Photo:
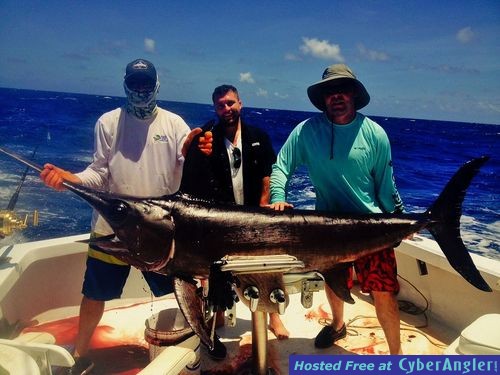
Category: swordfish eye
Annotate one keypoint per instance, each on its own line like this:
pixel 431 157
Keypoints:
pixel 118 211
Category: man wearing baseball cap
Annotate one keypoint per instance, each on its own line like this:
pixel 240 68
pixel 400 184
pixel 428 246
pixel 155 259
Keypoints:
pixel 139 151
pixel 348 157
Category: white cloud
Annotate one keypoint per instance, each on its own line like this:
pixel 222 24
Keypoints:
pixel 465 35
pixel 321 49
pixel 149 45
pixel 292 57
pixel 281 96
pixel 489 106
pixel 246 77
pixel 372 54
pixel 262 92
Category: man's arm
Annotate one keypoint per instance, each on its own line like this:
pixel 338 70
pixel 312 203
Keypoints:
pixel 265 193
pixel 286 163
pixel 197 174
pixel 385 185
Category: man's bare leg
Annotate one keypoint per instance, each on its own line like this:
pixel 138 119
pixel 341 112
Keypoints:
pixel 91 312
pixel 387 309
pixel 337 306
pixel 277 327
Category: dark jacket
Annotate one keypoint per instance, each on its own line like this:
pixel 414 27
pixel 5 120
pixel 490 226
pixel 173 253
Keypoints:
pixel 209 177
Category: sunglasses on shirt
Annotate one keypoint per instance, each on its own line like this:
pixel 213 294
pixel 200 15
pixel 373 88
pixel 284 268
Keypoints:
pixel 236 157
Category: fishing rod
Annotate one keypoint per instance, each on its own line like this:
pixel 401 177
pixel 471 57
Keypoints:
pixel 15 196
pixel 22 159
pixel 33 165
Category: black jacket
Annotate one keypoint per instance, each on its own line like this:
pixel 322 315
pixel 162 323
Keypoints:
pixel 209 177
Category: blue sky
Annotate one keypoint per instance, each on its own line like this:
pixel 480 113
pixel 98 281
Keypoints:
pixel 423 59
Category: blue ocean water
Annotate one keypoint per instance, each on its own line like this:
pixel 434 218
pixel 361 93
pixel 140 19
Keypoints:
pixel 60 125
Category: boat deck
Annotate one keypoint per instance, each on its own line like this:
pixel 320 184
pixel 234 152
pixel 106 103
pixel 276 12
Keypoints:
pixel 119 346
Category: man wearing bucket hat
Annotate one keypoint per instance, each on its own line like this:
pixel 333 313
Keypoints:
pixel 139 150
pixel 348 157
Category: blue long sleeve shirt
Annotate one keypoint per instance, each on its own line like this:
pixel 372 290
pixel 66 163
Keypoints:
pixel 349 165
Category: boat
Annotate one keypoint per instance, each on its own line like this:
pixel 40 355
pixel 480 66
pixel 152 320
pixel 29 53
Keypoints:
pixel 40 284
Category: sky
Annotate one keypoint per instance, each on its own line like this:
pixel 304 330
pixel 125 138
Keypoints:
pixel 425 59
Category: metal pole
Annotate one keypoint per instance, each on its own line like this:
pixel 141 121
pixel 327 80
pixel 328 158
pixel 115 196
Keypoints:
pixel 259 342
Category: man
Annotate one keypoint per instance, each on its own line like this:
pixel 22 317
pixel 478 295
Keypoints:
pixel 238 168
pixel 348 157
pixel 138 151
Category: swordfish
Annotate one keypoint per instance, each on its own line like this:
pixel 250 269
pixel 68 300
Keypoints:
pixel 183 236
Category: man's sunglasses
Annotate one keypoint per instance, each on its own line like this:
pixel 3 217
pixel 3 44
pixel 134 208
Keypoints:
pixel 140 84
pixel 236 157
pixel 339 89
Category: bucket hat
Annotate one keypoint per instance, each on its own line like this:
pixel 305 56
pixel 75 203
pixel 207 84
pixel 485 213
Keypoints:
pixel 335 75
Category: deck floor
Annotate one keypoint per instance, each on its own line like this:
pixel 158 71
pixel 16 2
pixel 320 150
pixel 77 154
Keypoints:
pixel 364 335
pixel 119 346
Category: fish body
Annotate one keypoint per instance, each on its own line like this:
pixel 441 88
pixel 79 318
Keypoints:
pixel 208 232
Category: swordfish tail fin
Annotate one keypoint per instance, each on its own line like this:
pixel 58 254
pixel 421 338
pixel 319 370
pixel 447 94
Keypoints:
pixel 445 223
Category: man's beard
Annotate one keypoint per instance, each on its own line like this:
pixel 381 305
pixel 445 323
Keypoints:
pixel 234 121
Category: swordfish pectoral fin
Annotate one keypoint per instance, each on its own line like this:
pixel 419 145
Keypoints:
pixel 191 307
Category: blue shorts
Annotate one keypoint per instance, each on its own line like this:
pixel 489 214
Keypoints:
pixel 105 281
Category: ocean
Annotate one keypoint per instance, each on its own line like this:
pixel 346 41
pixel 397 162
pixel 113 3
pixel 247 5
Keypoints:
pixel 59 126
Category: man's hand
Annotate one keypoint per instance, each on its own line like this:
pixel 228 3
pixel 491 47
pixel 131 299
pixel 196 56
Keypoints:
pixel 54 177
pixel 280 206
pixel 204 143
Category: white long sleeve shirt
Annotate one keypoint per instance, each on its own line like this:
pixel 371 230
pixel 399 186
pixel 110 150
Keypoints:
pixel 135 157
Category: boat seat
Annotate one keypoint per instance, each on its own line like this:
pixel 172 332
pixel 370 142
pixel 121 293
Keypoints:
pixel 173 346
pixel 482 336
pixel 36 337
pixel 43 355
pixel 16 361
pixel 182 358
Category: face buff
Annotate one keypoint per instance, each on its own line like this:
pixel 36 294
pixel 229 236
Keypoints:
pixel 142 104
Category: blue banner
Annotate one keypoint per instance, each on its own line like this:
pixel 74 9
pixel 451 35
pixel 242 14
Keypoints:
pixel 394 364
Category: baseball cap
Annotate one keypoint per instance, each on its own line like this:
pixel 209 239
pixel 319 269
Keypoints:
pixel 140 69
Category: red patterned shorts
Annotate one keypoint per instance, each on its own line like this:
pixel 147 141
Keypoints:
pixel 376 272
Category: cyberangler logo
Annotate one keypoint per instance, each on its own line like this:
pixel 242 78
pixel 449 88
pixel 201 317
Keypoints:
pixel 160 138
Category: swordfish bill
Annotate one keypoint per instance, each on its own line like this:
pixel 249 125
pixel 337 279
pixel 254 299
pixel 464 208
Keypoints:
pixel 182 236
